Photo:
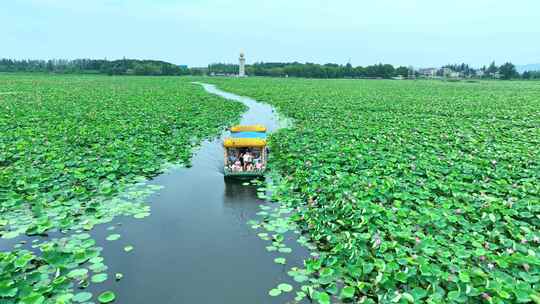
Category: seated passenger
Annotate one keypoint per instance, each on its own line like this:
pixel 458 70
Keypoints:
pixel 232 159
pixel 237 167
pixel 248 159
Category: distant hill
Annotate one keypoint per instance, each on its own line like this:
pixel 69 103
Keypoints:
pixel 528 67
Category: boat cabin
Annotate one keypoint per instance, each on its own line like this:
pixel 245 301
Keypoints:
pixel 245 151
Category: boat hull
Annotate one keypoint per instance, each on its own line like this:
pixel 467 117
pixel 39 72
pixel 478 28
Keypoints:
pixel 243 174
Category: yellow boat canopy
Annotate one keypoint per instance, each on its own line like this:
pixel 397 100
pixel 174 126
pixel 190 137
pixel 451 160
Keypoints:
pixel 244 142
pixel 252 128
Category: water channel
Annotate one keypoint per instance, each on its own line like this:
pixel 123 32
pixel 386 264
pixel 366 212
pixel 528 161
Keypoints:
pixel 196 246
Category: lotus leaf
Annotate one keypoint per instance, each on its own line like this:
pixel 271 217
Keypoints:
pixel 78 273
pixel 106 297
pixel 285 287
pixel 99 278
pixel 274 292
pixel 113 237
pixel 82 297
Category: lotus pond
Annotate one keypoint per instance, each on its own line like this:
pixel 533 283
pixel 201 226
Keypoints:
pixel 74 153
pixel 405 192
pixel 412 191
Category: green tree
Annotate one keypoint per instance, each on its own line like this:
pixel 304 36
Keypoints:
pixel 348 71
pixel 492 69
pixel 403 71
pixel 508 71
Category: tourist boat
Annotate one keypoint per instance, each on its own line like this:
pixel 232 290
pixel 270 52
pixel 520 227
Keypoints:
pixel 245 151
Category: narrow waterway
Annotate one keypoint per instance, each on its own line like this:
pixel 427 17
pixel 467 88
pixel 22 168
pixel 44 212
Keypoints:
pixel 196 246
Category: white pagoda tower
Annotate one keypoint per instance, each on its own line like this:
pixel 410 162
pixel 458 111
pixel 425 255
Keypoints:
pixel 242 65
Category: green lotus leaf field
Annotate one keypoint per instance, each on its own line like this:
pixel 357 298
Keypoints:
pixel 412 191
pixel 403 191
pixel 73 153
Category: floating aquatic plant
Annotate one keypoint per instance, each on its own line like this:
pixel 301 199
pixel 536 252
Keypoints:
pixel 411 192
pixel 82 297
pixel 99 278
pixel 76 152
pixel 113 237
pixel 107 297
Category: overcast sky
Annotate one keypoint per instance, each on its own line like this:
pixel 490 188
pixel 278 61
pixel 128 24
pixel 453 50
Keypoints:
pixel 421 33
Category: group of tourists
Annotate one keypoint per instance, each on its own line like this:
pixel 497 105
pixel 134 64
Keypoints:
pixel 245 160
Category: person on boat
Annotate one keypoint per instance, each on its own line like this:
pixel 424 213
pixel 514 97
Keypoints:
pixel 257 163
pixel 248 160
pixel 233 157
pixel 237 166
pixel 241 157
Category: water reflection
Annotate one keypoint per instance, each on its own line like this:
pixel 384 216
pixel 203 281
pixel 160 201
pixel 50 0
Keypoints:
pixel 236 191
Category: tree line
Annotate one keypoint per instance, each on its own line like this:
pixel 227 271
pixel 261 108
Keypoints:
pixel 505 71
pixel 312 70
pixel 273 69
pixel 94 66
pixel 331 70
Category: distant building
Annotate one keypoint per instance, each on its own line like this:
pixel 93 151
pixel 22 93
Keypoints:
pixel 428 72
pixel 455 74
pixel 183 66
pixel 447 72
